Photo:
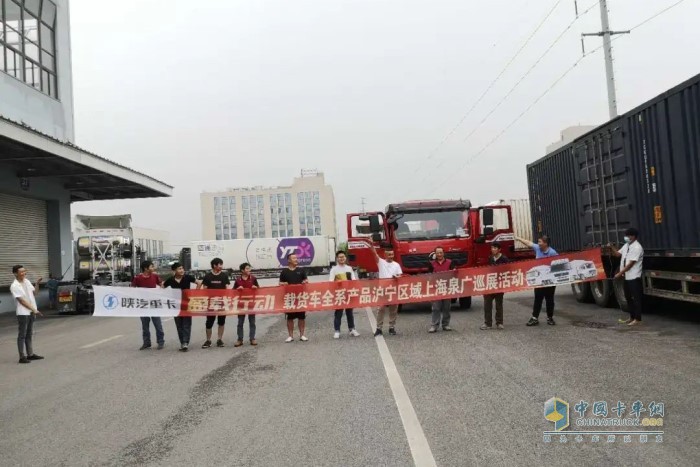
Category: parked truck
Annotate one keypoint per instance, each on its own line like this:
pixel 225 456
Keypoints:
pixel 266 255
pixel 639 170
pixel 414 229
pixel 103 254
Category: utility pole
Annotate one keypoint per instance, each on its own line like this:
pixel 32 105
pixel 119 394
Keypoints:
pixel 363 205
pixel 606 34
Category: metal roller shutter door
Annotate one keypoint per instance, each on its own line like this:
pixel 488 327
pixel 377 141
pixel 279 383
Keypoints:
pixel 23 237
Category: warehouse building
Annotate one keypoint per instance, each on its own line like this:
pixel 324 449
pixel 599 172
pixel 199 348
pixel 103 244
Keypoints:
pixel 42 171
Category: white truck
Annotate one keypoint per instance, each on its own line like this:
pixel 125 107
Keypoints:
pixel 265 255
pixel 561 271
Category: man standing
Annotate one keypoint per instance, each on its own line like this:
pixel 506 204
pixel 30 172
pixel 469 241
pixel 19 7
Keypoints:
pixel 546 294
pixel 182 281
pixel 246 281
pixel 52 287
pixel 495 259
pixel 632 255
pixel 25 297
pixel 149 279
pixel 293 275
pixel 342 272
pixel 388 269
pixel 441 308
pixel 219 280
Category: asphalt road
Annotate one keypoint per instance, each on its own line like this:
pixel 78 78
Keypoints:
pixel 477 395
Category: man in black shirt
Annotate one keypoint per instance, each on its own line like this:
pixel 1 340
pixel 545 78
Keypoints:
pixel 183 324
pixel 216 279
pixel 291 276
pixel 495 259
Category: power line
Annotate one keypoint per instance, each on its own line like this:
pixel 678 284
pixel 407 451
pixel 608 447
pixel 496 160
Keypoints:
pixel 549 89
pixel 434 151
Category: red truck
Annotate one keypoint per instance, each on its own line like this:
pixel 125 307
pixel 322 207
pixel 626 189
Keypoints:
pixel 414 229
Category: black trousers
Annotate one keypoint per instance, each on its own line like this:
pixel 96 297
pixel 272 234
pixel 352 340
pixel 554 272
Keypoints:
pixel 634 293
pixel 545 294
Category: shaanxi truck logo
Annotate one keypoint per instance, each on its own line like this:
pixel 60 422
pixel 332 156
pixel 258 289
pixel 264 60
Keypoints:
pixel 301 246
pixel 557 411
pixel 110 301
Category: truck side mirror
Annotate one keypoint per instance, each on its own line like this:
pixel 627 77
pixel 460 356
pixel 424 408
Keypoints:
pixel 488 230
pixel 488 217
pixel 374 225
pixel 376 237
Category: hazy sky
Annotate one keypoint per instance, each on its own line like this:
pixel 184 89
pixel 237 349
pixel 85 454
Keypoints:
pixel 222 93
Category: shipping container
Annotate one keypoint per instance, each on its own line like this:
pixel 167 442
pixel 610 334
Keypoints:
pixel 264 254
pixel 639 170
pixel 522 219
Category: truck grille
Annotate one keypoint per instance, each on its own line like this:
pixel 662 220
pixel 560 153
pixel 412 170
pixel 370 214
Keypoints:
pixel 423 260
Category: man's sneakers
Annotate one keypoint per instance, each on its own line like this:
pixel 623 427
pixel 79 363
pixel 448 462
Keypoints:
pixel 392 331
pixel 446 328
pixel 499 327
pixel 220 343
pixel 238 343
pixel 183 347
pixel 304 339
pixel 288 340
pixel 24 360
pixel 206 344
pixel 253 342
pixel 550 321
pixel 354 333
pixel 160 346
pixel 485 327
pixel 432 329
pixel 378 332
pixel 336 335
pixel 35 357
pixel 145 346
pixel 533 321
pixel 634 322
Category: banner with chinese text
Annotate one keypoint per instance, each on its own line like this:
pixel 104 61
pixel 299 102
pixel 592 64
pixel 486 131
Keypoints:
pixel 321 296
pixel 128 301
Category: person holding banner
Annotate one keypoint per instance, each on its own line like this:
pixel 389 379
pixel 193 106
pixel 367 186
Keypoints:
pixel 246 281
pixel 148 279
pixel 293 275
pixel 216 279
pixel 440 308
pixel 632 257
pixel 181 281
pixel 388 269
pixel 495 259
pixel 546 294
pixel 25 297
pixel 342 272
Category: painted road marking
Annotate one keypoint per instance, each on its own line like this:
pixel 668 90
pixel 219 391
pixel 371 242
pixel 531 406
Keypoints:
pixel 102 341
pixel 420 449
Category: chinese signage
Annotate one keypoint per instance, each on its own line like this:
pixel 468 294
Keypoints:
pixel 322 296
pixel 603 422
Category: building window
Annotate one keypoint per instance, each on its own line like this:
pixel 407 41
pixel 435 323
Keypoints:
pixel 27 43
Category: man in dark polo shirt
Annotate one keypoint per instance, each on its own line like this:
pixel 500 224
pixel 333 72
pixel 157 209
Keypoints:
pixel 181 281
pixel 149 279
pixel 216 279
pixel 290 276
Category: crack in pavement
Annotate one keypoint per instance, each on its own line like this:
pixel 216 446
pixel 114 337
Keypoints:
pixel 202 398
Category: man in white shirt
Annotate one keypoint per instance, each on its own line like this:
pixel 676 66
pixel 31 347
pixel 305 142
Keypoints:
pixel 388 269
pixel 632 256
pixel 24 294
pixel 342 272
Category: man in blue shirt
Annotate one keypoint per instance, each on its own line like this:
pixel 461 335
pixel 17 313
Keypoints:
pixel 542 294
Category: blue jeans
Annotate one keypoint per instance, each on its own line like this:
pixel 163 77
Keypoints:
pixel 184 329
pixel 157 323
pixel 251 324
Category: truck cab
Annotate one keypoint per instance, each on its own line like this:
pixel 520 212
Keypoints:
pixel 414 229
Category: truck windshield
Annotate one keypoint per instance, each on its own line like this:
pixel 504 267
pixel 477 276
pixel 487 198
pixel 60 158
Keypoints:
pixel 561 267
pixel 430 225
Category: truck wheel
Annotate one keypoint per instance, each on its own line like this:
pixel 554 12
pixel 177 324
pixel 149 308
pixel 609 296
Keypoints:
pixel 619 289
pixel 464 303
pixel 602 293
pixel 582 292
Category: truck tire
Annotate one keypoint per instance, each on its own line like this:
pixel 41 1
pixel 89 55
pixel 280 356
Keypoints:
pixel 619 290
pixel 582 292
pixel 464 303
pixel 603 293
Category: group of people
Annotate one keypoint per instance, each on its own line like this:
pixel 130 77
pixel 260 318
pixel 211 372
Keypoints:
pixel 631 254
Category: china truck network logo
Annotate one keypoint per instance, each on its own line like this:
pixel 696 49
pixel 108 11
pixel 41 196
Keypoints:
pixel 302 246
pixel 557 411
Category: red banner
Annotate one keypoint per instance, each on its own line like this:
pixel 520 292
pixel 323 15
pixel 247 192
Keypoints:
pixel 322 296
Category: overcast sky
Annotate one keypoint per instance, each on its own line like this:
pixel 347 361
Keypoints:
pixel 221 93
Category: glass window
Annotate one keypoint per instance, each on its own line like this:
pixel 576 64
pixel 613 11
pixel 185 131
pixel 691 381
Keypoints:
pixel 307 195
pixel 48 12
pixel 316 195
pixel 318 231
pixel 253 202
pixel 226 236
pixel 289 223
pixel 232 201
pixel 217 202
pixel 288 210
pixel 245 202
pixel 219 236
pixel 302 231
pixel 288 199
pixel 317 220
pixel 317 212
pixel 260 199
pixel 273 200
